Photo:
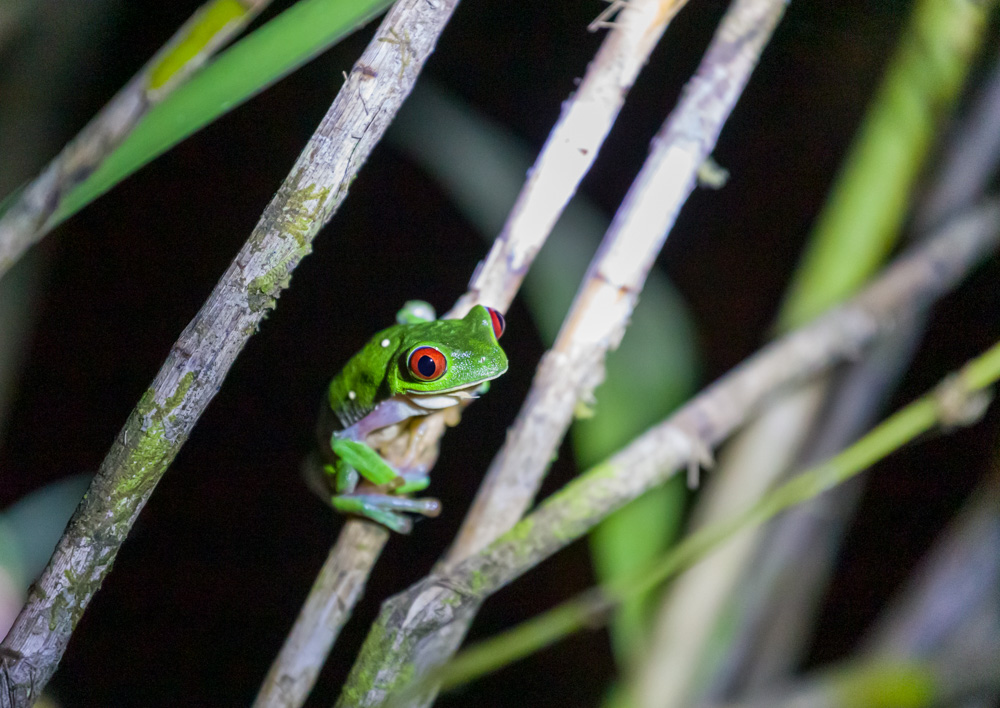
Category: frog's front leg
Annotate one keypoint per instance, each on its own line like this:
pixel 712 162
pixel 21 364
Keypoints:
pixel 356 458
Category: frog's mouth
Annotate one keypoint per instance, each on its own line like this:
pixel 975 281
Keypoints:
pixel 436 400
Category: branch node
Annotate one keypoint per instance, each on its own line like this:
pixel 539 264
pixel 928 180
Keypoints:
pixel 959 406
pixel 603 20
pixel 693 449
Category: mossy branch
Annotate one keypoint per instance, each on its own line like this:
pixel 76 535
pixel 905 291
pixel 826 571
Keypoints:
pixel 200 359
pixel 429 618
pixel 569 151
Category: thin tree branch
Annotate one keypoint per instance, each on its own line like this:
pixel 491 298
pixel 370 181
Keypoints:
pixel 406 640
pixel 29 218
pixel 595 324
pixel 200 359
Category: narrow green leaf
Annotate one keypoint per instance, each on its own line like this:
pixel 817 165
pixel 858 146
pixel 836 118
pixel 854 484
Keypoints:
pixel 272 51
pixel 860 222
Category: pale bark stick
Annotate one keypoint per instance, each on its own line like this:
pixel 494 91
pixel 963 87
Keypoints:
pixel 339 585
pixel 574 366
pixel 200 359
pixel 29 218
pixel 405 641
pixel 568 154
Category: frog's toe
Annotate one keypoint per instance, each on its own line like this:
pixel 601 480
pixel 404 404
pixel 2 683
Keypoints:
pixel 413 483
pixel 427 506
pixel 387 509
pixel 360 505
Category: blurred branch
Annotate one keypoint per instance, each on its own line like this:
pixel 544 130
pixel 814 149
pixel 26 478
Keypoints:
pixel 958 400
pixel 412 623
pixel 970 157
pixel 200 359
pixel 270 52
pixel 28 218
pixel 695 650
pixel 958 579
pixel 769 618
pixel 881 682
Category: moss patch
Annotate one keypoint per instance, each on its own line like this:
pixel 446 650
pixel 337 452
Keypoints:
pixel 153 447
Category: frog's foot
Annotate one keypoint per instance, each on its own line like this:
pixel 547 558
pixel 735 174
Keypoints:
pixel 360 457
pixel 385 509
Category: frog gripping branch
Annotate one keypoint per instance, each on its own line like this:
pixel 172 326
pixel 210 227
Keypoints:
pixel 375 428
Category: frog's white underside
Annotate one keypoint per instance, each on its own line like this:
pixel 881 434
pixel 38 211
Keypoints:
pixel 436 400
pixel 408 405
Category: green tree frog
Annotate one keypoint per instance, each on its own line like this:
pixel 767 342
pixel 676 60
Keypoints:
pixel 391 401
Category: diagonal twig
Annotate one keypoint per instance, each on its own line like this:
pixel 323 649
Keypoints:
pixel 28 219
pixel 596 322
pixel 337 589
pixel 200 359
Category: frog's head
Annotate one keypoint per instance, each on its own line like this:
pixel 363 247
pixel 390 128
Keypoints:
pixel 441 362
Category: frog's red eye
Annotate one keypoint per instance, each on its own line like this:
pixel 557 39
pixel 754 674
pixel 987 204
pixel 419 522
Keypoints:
pixel 498 322
pixel 427 363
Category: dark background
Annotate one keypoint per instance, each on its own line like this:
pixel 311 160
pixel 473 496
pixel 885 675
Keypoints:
pixel 213 574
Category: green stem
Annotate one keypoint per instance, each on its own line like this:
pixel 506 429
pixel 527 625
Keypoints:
pixel 860 222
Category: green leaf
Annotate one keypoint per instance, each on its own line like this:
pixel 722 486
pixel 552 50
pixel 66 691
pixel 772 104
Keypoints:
pixel 272 51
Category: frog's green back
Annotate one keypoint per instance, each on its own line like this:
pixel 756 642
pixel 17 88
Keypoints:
pixel 361 384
